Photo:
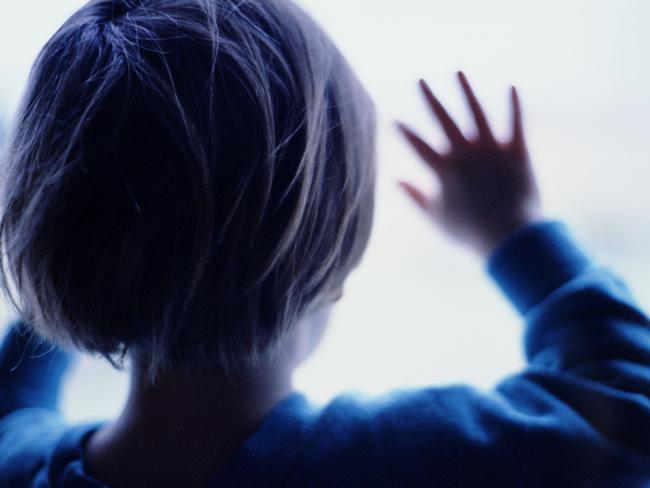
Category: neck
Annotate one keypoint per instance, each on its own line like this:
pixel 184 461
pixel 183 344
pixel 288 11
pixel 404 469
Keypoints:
pixel 179 431
pixel 184 424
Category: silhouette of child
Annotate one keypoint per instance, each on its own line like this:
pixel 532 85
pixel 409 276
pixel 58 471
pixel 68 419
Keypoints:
pixel 187 187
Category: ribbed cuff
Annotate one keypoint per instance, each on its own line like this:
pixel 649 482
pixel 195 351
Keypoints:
pixel 535 260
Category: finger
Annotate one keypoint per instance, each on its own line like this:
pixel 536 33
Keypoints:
pixel 427 204
pixel 517 121
pixel 426 152
pixel 416 195
pixel 449 126
pixel 485 133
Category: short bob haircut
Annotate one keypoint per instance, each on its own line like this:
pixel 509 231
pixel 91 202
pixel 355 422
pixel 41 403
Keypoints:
pixel 185 180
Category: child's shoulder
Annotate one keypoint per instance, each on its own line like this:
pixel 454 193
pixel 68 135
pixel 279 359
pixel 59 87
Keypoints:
pixel 38 448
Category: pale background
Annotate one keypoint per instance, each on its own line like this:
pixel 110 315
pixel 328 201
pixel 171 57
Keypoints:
pixel 421 311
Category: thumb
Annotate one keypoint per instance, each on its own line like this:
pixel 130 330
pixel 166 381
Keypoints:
pixel 432 206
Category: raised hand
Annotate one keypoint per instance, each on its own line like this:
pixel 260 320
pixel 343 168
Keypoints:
pixel 488 187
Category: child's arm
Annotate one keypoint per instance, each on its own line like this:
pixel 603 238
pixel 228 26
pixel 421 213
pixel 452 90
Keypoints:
pixel 31 371
pixel 586 390
pixel 579 316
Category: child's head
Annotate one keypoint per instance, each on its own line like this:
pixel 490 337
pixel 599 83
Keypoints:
pixel 186 180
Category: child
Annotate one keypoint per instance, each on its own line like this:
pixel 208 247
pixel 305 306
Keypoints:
pixel 188 185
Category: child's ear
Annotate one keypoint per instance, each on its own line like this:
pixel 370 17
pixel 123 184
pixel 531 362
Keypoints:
pixel 339 295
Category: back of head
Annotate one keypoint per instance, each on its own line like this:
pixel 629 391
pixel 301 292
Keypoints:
pixel 186 179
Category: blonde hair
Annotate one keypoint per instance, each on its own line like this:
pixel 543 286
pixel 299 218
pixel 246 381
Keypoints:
pixel 186 179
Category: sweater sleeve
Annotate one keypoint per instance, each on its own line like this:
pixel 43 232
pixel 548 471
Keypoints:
pixel 579 317
pixel 578 414
pixel 31 371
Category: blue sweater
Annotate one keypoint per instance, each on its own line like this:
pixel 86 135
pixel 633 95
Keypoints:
pixel 577 415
